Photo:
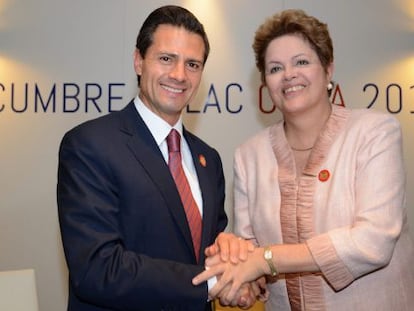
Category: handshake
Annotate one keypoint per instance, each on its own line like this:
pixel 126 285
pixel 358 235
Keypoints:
pixel 239 269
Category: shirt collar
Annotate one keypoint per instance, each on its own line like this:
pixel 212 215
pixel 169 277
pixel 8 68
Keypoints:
pixel 158 127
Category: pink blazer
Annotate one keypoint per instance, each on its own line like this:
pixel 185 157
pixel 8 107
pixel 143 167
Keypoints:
pixel 347 206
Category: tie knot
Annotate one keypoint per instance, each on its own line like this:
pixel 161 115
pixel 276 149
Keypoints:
pixel 173 141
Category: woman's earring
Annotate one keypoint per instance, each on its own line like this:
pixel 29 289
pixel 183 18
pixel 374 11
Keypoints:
pixel 330 86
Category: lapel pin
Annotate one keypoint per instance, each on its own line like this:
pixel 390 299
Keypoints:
pixel 202 160
pixel 324 175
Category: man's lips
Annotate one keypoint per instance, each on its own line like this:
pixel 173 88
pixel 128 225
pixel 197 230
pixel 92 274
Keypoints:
pixel 172 89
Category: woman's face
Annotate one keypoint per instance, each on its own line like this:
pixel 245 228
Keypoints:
pixel 294 75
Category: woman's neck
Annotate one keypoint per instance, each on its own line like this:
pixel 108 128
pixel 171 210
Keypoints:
pixel 302 131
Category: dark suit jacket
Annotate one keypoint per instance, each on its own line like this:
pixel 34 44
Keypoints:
pixel 125 235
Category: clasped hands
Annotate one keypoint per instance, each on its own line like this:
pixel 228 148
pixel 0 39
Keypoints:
pixel 239 281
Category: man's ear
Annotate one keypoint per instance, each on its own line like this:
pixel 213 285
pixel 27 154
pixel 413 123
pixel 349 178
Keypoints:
pixel 138 62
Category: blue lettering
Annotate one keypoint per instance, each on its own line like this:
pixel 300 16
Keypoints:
pixel 110 97
pixel 52 97
pixel 92 99
pixel 213 104
pixel 25 99
pixel 187 110
pixel 227 98
pixel 3 88
pixel 74 97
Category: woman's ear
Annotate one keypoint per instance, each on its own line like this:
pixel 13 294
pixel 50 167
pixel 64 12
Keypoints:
pixel 329 72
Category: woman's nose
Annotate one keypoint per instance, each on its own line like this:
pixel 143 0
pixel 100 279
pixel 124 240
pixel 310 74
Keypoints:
pixel 289 73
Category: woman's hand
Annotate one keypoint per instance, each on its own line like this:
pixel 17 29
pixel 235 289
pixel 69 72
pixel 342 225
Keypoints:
pixel 229 246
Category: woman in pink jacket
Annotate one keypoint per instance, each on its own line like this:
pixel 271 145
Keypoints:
pixel 321 193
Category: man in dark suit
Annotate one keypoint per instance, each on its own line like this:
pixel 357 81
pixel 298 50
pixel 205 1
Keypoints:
pixel 125 233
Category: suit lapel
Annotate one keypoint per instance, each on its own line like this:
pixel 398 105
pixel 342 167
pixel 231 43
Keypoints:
pixel 148 154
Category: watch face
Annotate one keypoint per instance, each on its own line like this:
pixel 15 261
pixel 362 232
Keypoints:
pixel 268 254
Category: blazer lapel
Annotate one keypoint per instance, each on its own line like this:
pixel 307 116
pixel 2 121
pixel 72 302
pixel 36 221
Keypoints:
pixel 148 154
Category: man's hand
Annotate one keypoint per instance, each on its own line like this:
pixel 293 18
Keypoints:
pixel 232 276
pixel 244 299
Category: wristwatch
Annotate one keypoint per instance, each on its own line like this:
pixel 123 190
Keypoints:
pixel 268 256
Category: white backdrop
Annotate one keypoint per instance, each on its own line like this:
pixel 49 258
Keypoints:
pixel 63 62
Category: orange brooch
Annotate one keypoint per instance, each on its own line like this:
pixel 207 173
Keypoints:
pixel 202 160
pixel 324 175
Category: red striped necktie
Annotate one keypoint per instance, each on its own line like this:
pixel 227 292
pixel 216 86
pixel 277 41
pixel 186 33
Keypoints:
pixel 190 206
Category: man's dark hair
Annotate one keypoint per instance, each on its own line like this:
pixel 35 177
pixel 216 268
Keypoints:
pixel 170 15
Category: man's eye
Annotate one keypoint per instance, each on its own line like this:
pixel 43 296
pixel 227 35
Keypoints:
pixel 165 59
pixel 194 66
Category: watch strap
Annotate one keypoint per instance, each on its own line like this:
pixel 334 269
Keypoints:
pixel 268 256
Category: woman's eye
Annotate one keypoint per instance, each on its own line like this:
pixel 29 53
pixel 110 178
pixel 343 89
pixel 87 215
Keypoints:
pixel 302 62
pixel 275 69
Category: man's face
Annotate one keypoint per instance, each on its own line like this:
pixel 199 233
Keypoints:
pixel 170 71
